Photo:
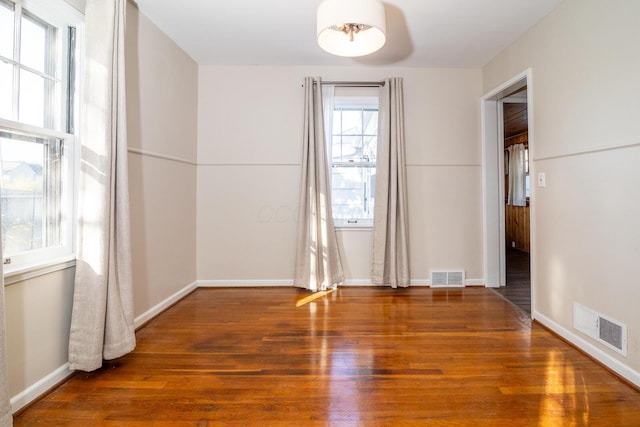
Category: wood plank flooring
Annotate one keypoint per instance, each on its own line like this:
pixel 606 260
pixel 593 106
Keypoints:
pixel 352 357
pixel 518 289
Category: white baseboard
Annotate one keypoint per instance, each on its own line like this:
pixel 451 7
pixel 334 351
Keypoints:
pixel 269 283
pixel 41 386
pixel 275 283
pixel 163 305
pixel 475 282
pixel 413 282
pixel 357 282
pixel 600 355
pixel 467 282
pixel 243 283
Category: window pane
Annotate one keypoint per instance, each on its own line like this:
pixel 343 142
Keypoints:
pixel 6 30
pixel 22 193
pixel 337 122
pixel 354 148
pixel 6 91
pixel 352 192
pixel 370 148
pixel 353 157
pixel 351 122
pixel 33 44
pixel 32 99
pixel 336 149
pixel 351 148
pixel 370 119
pixel 34 174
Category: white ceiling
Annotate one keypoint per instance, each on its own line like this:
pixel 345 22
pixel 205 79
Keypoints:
pixel 420 33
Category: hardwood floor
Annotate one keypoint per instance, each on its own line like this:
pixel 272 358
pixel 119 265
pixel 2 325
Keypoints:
pixel 355 356
pixel 518 289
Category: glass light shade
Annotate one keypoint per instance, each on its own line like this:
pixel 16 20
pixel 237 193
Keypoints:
pixel 334 13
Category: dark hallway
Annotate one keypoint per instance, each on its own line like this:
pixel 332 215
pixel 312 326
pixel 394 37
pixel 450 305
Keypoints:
pixel 518 289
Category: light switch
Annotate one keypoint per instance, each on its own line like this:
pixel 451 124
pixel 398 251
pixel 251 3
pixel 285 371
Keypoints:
pixel 542 181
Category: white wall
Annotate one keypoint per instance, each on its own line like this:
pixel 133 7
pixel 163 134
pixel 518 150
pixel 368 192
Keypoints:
pixel 162 94
pixel 161 112
pixel 249 148
pixel 38 316
pixel 586 137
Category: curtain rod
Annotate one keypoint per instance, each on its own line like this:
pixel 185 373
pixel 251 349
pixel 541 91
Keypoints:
pixel 353 84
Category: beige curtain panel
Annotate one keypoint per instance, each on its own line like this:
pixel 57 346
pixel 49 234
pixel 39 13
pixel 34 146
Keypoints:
pixel 318 265
pixel 517 176
pixel 102 324
pixel 390 264
pixel 6 419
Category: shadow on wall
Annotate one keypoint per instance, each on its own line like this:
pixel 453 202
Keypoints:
pixel 398 46
pixel 139 250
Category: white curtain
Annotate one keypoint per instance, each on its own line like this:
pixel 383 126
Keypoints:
pixel 517 192
pixel 390 264
pixel 6 419
pixel 318 265
pixel 102 318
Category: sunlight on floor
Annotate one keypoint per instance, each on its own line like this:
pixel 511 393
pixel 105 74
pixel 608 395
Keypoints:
pixel 564 399
pixel 345 407
pixel 313 297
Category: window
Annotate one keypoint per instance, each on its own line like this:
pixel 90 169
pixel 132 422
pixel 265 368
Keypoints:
pixel 527 180
pixel 353 149
pixel 37 91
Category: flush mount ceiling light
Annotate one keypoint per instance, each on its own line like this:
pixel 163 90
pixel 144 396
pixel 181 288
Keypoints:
pixel 351 27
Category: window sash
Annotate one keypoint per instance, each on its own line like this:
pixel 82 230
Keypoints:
pixel 353 192
pixel 57 26
pixel 52 113
pixel 58 210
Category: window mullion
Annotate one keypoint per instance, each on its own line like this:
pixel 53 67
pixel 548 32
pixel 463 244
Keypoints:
pixel 50 87
pixel 51 197
pixel 17 31
pixel 46 193
pixel 353 164
pixel 71 77
pixel 51 78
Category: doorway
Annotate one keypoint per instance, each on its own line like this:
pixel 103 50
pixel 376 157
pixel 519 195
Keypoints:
pixel 517 191
pixel 503 270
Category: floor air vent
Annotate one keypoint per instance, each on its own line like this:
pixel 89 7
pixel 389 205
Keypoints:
pixel 447 279
pixel 605 330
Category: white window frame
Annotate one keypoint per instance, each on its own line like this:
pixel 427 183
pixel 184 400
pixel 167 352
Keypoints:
pixel 59 14
pixel 352 102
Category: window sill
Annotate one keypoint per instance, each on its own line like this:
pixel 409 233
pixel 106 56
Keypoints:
pixel 26 273
pixel 353 227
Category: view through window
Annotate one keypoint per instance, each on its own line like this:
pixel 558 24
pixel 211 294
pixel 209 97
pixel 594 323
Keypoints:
pixel 37 44
pixel 353 150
